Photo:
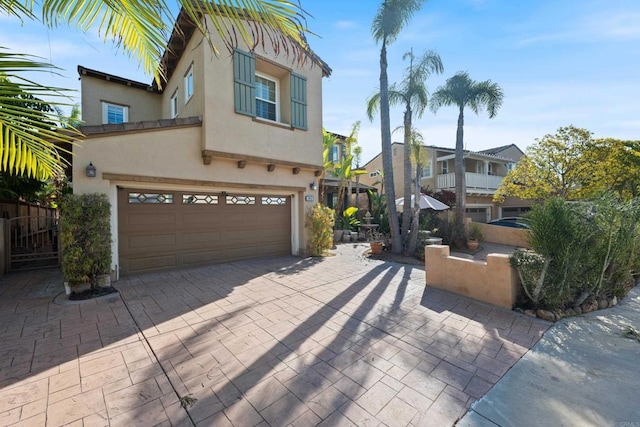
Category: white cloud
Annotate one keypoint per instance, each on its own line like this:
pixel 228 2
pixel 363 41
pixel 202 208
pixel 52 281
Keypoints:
pixel 346 25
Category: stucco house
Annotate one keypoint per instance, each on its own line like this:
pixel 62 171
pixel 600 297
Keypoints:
pixel 484 171
pixel 220 163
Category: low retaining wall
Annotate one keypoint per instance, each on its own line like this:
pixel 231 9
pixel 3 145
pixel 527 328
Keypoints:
pixel 493 281
pixel 505 235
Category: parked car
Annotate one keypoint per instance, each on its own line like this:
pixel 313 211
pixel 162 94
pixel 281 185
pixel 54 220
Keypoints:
pixel 512 221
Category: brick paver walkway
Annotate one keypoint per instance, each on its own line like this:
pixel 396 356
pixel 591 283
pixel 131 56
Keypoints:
pixel 335 341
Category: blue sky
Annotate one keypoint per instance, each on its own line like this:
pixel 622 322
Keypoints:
pixel 558 62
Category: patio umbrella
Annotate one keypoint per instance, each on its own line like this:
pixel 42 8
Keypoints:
pixel 426 202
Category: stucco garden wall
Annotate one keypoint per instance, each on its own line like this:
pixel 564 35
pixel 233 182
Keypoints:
pixel 505 235
pixel 494 281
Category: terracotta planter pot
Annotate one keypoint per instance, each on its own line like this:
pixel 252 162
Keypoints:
pixel 376 248
pixel 472 244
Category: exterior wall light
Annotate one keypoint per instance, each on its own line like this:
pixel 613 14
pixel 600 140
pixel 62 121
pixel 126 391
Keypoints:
pixel 313 186
pixel 91 170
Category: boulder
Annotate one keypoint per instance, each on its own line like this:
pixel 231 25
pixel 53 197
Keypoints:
pixel 546 315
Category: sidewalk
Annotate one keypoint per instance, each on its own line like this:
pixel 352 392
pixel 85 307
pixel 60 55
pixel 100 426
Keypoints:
pixel 582 372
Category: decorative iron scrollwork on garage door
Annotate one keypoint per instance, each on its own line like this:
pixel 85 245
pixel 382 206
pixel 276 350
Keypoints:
pixel 241 200
pixel 274 201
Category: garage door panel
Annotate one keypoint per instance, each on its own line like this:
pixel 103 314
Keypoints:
pixel 206 238
pixel 155 263
pixel 153 241
pixel 161 236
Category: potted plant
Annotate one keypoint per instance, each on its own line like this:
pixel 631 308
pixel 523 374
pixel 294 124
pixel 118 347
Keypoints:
pixel 458 236
pixel 85 233
pixel 347 222
pixel 475 236
pixel 377 243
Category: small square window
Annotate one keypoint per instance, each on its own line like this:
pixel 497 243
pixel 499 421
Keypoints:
pixel 114 113
pixel 188 85
pixel 444 167
pixel 174 105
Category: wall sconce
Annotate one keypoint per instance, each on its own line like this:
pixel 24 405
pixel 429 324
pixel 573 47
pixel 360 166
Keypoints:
pixel 313 186
pixel 91 170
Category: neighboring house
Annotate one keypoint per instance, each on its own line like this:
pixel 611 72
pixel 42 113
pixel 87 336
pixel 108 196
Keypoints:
pixel 485 170
pixel 219 164
pixel 331 180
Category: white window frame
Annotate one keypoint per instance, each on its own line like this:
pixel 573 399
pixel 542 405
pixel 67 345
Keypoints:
pixel 174 104
pixel 105 112
pixel 277 102
pixel 510 166
pixel 335 153
pixel 188 84
pixel 480 168
pixel 444 168
pixel 490 169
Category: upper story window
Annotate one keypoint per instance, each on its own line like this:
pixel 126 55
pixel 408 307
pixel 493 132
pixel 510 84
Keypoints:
pixel 114 113
pixel 511 166
pixel 267 98
pixel 174 104
pixel 426 170
pixel 490 169
pixel 480 168
pixel 266 90
pixel 444 167
pixel 188 85
pixel 335 153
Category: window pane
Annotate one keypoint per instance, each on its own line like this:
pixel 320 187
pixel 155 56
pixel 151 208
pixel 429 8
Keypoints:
pixel 150 198
pixel 265 89
pixel 265 109
pixel 115 114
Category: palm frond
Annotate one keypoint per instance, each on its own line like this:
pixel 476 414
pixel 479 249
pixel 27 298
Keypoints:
pixel 391 17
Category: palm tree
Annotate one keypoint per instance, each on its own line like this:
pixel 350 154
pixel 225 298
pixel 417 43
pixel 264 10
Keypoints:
pixel 461 91
pixel 413 94
pixel 344 168
pixel 139 28
pixel 419 158
pixel 391 17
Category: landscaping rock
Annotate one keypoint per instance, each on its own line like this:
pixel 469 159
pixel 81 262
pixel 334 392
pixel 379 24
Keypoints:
pixel 531 313
pixel 602 304
pixel 570 312
pixel 590 306
pixel 546 315
pixel 578 310
pixel 613 301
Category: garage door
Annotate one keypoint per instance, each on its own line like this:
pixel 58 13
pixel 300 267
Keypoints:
pixel 163 230
pixel 478 214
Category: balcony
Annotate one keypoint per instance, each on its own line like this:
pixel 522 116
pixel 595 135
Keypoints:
pixel 476 183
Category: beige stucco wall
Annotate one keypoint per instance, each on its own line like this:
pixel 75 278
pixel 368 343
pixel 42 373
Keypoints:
pixel 162 155
pixel 143 105
pixel 505 235
pixel 225 130
pixel 493 281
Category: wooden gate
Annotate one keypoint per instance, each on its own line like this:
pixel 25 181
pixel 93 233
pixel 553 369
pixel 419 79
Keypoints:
pixel 33 242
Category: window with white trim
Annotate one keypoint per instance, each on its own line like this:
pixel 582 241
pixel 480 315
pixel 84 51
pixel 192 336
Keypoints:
pixel 267 98
pixel 426 170
pixel 188 84
pixel 444 167
pixel 114 113
pixel 490 169
pixel 510 166
pixel 174 104
pixel 480 168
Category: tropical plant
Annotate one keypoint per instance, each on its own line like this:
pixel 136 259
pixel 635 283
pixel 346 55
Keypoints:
pixel 320 221
pixel 391 17
pixel 85 234
pixel 419 159
pixel 139 28
pixel 347 220
pixel 344 169
pixel 413 95
pixel 328 141
pixel 475 232
pixel 461 91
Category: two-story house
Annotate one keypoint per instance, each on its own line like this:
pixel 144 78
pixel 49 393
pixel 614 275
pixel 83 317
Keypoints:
pixel 484 171
pixel 220 163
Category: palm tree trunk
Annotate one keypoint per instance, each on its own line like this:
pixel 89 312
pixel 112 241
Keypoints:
pixel 459 171
pixel 415 224
pixel 387 160
pixel 406 212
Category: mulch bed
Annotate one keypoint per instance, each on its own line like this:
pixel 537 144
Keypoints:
pixel 92 293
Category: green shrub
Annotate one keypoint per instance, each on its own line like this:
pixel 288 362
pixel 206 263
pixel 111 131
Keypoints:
pixel 85 234
pixel 320 222
pixel 348 220
pixel 583 250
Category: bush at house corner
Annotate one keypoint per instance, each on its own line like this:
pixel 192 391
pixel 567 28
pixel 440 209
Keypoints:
pixel 85 233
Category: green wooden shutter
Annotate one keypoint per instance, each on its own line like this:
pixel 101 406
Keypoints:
pixel 244 76
pixel 298 102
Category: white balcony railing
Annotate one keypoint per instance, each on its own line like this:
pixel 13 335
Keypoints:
pixel 475 182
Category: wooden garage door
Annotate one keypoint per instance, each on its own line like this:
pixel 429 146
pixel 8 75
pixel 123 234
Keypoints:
pixel 163 230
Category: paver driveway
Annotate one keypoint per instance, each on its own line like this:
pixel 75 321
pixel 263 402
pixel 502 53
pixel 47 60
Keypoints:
pixel 335 341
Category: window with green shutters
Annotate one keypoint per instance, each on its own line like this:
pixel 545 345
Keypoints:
pixel 258 94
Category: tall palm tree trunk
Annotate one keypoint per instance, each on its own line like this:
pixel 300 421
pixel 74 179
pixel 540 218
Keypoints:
pixel 415 223
pixel 461 189
pixel 387 160
pixel 406 212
